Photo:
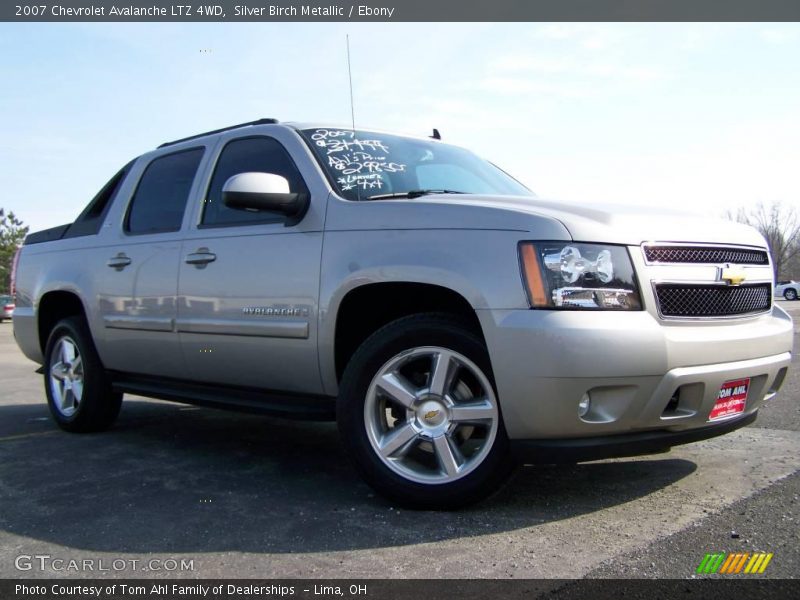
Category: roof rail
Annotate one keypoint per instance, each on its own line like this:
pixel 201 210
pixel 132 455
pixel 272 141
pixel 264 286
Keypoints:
pixel 199 135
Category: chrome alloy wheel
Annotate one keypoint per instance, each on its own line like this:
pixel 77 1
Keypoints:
pixel 431 415
pixel 66 376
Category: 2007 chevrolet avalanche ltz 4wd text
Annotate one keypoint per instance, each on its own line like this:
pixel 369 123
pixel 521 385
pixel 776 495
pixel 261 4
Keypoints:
pixel 453 323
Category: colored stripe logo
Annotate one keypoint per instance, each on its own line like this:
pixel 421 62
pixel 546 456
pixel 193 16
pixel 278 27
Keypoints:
pixel 733 563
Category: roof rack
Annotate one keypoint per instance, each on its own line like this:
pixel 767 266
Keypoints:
pixel 199 135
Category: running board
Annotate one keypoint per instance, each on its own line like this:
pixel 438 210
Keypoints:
pixel 278 404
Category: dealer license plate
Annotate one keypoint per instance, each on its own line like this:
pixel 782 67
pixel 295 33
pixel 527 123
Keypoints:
pixel 731 399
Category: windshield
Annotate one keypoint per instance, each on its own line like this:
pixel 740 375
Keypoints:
pixel 363 164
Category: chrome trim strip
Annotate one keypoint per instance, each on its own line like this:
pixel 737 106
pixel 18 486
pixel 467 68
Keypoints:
pixel 706 244
pixel 283 328
pixel 139 323
pixel 748 282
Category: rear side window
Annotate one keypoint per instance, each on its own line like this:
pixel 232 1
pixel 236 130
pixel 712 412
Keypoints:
pixel 90 220
pixel 162 193
pixel 254 154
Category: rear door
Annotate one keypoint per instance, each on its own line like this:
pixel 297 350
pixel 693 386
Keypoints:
pixel 249 281
pixel 137 281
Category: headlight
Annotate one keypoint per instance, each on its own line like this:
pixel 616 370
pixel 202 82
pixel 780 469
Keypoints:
pixel 578 276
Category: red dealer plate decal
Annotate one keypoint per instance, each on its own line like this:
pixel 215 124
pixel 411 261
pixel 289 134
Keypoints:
pixel 731 399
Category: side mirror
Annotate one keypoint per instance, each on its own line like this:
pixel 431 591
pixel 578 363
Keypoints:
pixel 264 191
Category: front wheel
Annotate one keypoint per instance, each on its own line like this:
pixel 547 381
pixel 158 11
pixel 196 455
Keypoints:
pixel 419 414
pixel 790 294
pixel 78 390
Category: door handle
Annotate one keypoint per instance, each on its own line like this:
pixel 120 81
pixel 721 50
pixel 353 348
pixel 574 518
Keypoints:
pixel 201 258
pixel 119 262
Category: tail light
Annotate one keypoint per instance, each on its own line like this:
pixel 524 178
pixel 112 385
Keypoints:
pixel 13 290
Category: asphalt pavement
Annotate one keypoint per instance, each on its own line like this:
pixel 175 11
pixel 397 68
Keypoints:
pixel 180 491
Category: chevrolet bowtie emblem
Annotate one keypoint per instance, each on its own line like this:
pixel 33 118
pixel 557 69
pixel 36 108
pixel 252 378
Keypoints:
pixel 430 414
pixel 732 274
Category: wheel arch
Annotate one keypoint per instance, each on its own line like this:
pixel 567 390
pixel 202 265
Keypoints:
pixel 364 309
pixel 54 306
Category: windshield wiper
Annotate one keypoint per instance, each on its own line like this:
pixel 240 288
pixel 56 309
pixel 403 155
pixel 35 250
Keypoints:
pixel 411 194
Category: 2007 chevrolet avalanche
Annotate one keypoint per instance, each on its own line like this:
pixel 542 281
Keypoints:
pixel 451 321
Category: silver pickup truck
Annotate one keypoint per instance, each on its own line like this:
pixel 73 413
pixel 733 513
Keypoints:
pixel 453 323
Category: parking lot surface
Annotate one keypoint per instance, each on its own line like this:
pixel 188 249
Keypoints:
pixel 233 495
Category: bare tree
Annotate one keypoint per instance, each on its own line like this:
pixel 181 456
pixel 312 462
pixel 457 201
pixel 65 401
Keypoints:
pixel 780 225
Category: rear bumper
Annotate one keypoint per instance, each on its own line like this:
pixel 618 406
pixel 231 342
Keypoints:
pixel 617 446
pixel 26 333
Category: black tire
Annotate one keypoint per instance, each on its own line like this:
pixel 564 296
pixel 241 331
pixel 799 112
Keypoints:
pixel 790 294
pixel 99 405
pixel 418 331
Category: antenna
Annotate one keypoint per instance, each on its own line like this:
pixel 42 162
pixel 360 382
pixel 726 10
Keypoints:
pixel 350 77
pixel 352 110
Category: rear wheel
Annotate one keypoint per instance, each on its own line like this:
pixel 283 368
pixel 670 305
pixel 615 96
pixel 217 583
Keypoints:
pixel 790 294
pixel 419 414
pixel 78 390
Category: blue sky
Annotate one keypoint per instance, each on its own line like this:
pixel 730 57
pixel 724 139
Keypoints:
pixel 694 116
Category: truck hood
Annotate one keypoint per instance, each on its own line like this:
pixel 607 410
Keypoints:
pixel 615 223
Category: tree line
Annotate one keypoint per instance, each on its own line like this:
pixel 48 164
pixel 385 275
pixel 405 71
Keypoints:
pixel 780 226
pixel 12 234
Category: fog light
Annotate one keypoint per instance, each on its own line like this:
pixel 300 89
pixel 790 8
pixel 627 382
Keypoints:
pixel 584 405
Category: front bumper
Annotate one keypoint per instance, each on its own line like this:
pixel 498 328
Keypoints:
pixel 631 365
pixel 616 446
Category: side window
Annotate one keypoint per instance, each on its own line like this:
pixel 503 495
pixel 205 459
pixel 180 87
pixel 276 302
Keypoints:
pixel 254 154
pixel 90 220
pixel 160 198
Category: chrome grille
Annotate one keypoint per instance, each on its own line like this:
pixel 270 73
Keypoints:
pixel 705 255
pixel 701 300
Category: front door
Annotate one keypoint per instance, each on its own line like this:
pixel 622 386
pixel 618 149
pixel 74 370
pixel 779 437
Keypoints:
pixel 248 292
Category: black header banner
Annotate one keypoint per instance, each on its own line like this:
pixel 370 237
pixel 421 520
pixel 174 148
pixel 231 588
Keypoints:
pixel 191 11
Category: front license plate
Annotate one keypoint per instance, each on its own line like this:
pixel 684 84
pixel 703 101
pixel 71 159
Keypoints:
pixel 731 399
